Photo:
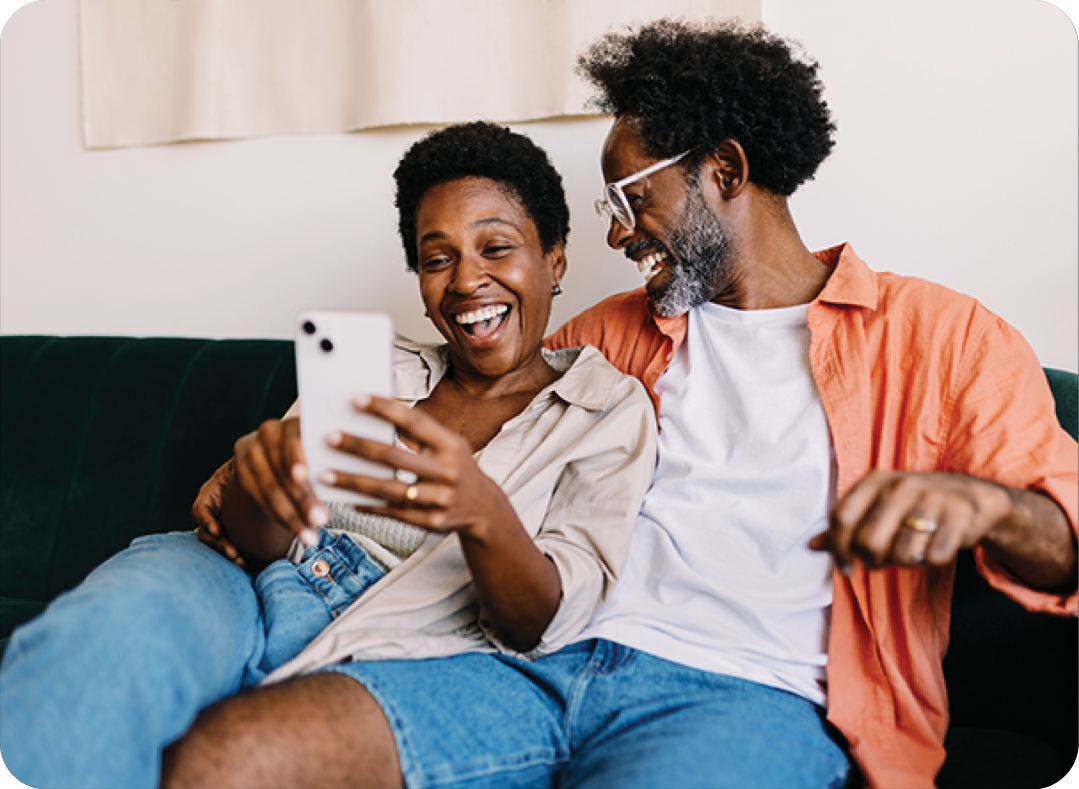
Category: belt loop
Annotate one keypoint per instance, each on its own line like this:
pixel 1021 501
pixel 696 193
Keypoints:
pixel 610 655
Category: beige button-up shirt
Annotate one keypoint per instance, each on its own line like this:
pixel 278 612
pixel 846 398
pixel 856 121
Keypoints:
pixel 575 464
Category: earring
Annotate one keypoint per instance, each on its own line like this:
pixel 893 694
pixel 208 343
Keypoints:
pixel 557 289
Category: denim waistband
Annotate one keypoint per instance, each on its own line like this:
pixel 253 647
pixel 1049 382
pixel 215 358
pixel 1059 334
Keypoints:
pixel 339 569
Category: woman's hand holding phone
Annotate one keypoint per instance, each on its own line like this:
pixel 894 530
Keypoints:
pixel 449 492
pixel 271 469
pixel 268 499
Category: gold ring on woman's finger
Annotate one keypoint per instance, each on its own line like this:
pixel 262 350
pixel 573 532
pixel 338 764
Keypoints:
pixel 920 524
pixel 412 492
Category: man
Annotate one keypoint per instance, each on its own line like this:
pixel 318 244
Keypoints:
pixel 830 439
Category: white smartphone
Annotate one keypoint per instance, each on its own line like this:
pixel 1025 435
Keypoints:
pixel 340 355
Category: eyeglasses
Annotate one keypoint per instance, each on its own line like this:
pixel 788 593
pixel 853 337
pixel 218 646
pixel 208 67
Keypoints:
pixel 614 202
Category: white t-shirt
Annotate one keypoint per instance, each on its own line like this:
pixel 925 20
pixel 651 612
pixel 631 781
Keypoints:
pixel 719 576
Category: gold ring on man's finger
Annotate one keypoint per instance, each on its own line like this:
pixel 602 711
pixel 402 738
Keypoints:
pixel 412 492
pixel 920 524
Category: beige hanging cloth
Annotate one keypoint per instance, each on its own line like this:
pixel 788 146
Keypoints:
pixel 160 71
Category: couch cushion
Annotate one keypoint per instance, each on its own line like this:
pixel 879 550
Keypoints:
pixel 106 438
pixel 981 758
pixel 1065 387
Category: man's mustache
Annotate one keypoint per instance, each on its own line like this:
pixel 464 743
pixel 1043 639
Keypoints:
pixel 648 244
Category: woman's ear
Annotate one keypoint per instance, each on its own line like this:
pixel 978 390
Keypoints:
pixel 731 168
pixel 556 259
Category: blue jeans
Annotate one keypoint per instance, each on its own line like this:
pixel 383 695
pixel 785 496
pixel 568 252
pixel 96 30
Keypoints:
pixel 114 670
pixel 597 715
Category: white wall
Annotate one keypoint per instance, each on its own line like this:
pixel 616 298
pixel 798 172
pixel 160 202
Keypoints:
pixel 957 161
pixel 958 150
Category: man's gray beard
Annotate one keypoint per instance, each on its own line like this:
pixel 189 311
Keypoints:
pixel 700 251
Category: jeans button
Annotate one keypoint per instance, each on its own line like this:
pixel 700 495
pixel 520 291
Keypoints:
pixel 321 568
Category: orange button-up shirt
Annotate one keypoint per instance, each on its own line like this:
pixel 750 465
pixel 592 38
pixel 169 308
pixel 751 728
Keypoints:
pixel 912 376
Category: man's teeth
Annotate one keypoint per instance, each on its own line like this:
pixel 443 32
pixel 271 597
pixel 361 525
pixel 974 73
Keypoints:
pixel 646 264
pixel 483 314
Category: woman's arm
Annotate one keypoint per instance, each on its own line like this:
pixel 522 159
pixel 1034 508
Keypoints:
pixel 518 588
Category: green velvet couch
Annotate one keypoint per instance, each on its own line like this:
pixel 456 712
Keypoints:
pixel 106 438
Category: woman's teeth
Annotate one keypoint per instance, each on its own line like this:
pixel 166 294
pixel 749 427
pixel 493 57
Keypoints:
pixel 480 322
pixel 646 265
pixel 484 314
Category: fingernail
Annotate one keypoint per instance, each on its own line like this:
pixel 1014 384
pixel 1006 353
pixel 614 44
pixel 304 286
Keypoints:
pixel 318 517
pixel 299 472
pixel 309 538
pixel 334 439
pixel 362 400
pixel 328 478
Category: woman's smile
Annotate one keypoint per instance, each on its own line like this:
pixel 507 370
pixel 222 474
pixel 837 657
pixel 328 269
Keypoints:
pixel 483 325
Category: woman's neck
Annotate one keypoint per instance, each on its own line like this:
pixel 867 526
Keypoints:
pixel 527 380
pixel 476 406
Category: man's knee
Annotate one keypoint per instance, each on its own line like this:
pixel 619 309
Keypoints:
pixel 323 730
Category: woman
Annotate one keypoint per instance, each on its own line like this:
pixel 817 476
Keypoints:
pixel 520 473
pixel 484 223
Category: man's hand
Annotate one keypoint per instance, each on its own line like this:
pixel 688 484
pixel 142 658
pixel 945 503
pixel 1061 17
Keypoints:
pixel 206 512
pixel 897 518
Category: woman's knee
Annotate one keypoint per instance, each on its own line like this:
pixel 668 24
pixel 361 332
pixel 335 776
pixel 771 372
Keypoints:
pixel 156 605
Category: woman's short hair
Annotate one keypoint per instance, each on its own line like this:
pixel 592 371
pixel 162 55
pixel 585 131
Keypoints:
pixel 481 150
pixel 690 86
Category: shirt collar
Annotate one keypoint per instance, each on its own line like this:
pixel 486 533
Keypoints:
pixel 587 380
pixel 674 328
pixel 852 283
pixel 417 371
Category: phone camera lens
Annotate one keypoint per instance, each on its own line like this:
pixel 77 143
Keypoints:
pixel 308 327
pixel 326 345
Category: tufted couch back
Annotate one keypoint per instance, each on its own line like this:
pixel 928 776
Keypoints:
pixel 106 438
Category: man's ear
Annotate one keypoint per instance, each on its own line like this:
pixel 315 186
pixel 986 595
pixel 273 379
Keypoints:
pixel 730 168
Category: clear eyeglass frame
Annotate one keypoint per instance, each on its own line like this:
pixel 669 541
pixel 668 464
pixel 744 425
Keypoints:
pixel 614 203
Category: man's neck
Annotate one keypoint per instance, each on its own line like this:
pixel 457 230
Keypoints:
pixel 774 267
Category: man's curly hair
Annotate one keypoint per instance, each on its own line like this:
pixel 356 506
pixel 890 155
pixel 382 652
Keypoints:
pixel 693 85
pixel 481 150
